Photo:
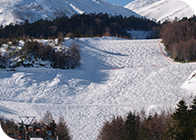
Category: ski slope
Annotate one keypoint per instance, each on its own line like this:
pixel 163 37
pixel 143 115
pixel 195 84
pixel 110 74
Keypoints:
pixel 116 76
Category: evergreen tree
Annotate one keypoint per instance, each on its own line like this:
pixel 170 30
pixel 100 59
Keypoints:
pixel 193 106
pixel 180 129
pixel 192 117
pixel 181 112
pixel 130 129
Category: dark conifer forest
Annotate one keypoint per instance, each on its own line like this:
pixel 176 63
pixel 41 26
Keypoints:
pixel 84 25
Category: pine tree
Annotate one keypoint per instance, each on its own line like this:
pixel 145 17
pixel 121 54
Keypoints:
pixel 193 106
pixel 130 129
pixel 192 117
pixel 181 112
pixel 181 128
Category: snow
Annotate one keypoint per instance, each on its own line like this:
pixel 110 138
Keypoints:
pixel 136 4
pixel 190 84
pixel 17 11
pixel 36 139
pixel 116 76
pixel 161 10
pixel 76 9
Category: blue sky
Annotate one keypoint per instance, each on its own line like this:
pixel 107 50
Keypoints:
pixel 119 2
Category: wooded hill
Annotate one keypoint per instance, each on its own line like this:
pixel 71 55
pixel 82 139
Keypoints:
pixel 180 39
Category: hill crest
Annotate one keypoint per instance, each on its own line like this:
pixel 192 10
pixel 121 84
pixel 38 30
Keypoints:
pixel 161 10
pixel 20 10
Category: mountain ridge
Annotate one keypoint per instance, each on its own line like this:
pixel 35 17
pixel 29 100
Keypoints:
pixel 161 10
pixel 20 10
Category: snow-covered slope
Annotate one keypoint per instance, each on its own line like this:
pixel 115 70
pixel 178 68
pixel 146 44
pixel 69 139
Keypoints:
pixel 161 10
pixel 20 10
pixel 136 4
pixel 115 77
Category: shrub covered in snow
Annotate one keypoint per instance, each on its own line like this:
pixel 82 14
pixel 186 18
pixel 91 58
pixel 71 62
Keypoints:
pixel 38 54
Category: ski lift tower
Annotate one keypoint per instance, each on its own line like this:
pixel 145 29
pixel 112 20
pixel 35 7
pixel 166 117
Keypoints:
pixel 26 121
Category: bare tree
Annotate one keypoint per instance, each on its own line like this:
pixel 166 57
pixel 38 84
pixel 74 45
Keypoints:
pixel 113 130
pixel 48 118
pixel 63 131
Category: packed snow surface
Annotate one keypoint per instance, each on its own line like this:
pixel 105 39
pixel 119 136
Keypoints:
pixel 17 11
pixel 116 76
pixel 161 10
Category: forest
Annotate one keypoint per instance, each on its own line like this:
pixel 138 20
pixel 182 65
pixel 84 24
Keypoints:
pixel 179 38
pixel 85 25
pixel 179 125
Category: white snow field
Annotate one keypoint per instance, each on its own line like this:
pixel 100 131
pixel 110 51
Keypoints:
pixel 161 10
pixel 137 4
pixel 116 76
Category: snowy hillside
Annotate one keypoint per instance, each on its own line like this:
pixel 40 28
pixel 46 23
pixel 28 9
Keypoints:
pixel 161 10
pixel 115 77
pixel 17 11
pixel 136 4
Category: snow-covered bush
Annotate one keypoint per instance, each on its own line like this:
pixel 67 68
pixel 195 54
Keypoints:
pixel 67 59
pixel 38 54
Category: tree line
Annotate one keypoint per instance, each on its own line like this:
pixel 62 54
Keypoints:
pixel 180 125
pixel 180 39
pixel 78 26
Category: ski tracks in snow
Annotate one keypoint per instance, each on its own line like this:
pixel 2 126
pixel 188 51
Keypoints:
pixel 93 93
pixel 153 56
